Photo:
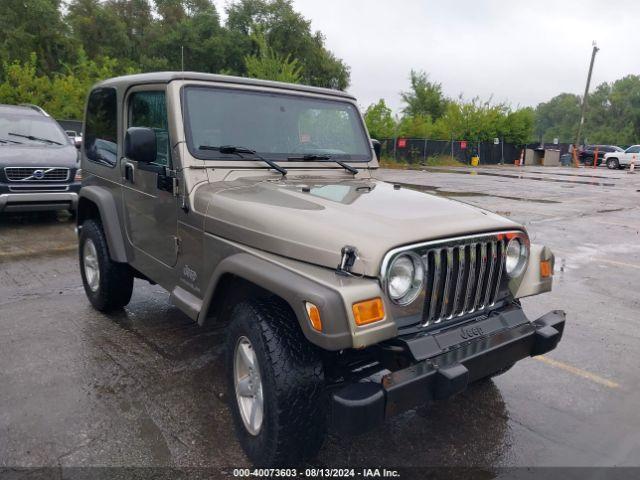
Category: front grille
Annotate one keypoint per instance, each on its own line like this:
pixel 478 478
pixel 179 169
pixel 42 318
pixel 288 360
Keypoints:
pixel 38 188
pixel 462 279
pixel 36 174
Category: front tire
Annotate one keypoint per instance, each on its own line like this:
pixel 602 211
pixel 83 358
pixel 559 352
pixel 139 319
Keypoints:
pixel 588 161
pixel 108 284
pixel 613 164
pixel 276 385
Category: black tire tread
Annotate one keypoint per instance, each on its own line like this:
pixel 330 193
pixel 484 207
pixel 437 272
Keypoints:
pixel 296 376
pixel 116 279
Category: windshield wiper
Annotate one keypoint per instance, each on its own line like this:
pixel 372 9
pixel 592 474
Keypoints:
pixel 7 140
pixel 31 137
pixel 240 151
pixel 312 156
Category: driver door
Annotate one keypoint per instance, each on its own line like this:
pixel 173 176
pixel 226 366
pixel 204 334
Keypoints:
pixel 150 206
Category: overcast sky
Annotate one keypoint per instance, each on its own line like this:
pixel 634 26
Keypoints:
pixel 519 51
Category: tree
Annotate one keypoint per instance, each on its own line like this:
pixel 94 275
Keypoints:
pixel 613 114
pixel 425 98
pixel 194 26
pixel 558 118
pixel 36 26
pixel 62 95
pixel 379 120
pixel 98 29
pixel 288 33
pixel 269 65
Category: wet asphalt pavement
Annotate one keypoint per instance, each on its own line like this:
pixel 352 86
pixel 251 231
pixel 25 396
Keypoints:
pixel 145 387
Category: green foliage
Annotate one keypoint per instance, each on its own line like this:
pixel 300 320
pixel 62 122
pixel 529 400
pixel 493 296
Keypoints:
pixel 61 95
pixel 415 126
pixel 379 120
pixel 613 114
pixel 34 26
pixel 478 120
pixel 270 65
pixel 428 114
pixel 50 55
pixel 558 118
pixel 425 98
pixel 289 33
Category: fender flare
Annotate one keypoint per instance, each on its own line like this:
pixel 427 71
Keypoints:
pixel 294 289
pixel 106 204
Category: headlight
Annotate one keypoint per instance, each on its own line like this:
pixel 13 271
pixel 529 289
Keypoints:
pixel 405 278
pixel 516 258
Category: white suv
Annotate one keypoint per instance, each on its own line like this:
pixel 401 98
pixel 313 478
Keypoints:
pixel 616 160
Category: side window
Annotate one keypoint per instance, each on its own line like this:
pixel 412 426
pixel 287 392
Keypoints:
pixel 149 109
pixel 633 149
pixel 101 129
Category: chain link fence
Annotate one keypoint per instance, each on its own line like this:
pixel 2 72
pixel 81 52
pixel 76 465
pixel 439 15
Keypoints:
pixel 422 150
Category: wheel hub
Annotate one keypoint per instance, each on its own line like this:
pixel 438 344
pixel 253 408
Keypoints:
pixel 248 386
pixel 90 264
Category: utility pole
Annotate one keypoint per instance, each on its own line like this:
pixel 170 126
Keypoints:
pixel 586 92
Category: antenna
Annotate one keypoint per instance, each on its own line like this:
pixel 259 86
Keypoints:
pixel 184 205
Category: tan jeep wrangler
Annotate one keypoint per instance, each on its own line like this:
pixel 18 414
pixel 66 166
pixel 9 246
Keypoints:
pixel 346 299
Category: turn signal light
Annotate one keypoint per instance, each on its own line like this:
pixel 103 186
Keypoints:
pixel 545 269
pixel 314 316
pixel 368 311
pixel 78 176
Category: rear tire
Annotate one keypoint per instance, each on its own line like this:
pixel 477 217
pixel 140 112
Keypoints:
pixel 588 161
pixel 108 284
pixel 613 164
pixel 287 379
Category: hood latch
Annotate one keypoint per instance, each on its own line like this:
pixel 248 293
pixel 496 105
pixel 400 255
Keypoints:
pixel 349 257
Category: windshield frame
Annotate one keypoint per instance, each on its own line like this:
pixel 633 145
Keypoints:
pixel 210 156
pixel 24 142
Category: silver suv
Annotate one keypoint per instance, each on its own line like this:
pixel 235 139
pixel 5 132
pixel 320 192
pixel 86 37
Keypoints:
pixel 345 299
pixel 38 162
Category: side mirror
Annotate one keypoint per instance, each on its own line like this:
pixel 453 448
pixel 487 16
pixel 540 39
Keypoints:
pixel 77 143
pixel 140 144
pixel 377 147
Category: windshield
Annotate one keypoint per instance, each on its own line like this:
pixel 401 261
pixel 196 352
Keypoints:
pixel 18 127
pixel 276 126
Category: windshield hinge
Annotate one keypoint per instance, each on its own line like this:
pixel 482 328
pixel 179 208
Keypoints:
pixel 176 241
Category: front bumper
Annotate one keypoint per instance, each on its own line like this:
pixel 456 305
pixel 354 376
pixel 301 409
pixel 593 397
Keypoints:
pixel 38 201
pixel 446 363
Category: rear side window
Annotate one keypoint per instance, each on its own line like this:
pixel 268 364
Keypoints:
pixel 149 109
pixel 101 127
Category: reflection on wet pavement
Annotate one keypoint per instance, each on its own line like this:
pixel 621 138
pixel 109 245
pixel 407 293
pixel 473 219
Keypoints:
pixel 520 177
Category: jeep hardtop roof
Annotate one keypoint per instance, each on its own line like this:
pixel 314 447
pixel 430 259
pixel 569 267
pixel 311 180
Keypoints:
pixel 166 77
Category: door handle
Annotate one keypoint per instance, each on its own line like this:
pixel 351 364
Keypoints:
pixel 129 172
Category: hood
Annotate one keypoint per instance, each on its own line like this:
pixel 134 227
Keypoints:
pixel 38 156
pixel 311 219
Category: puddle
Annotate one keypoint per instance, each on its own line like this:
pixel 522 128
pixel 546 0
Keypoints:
pixel 448 193
pixel 521 177
pixel 570 174
pixel 610 210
